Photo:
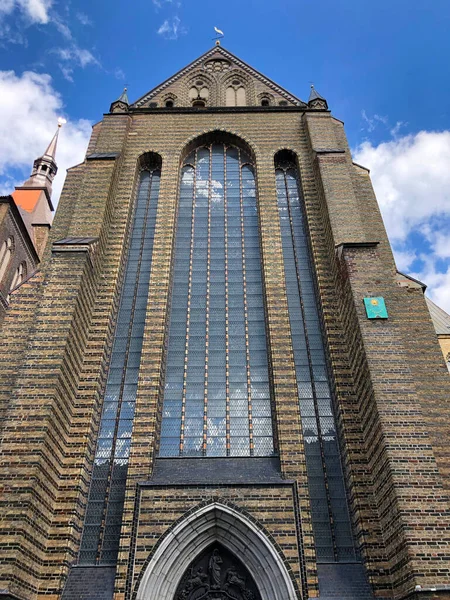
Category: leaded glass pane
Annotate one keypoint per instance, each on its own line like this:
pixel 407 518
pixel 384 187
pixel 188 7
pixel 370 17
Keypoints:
pixel 333 537
pixel 218 362
pixel 113 445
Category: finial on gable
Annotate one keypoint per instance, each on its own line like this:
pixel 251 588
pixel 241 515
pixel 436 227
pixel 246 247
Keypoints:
pixel 316 100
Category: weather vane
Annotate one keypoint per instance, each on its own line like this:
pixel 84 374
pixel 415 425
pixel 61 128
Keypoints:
pixel 219 35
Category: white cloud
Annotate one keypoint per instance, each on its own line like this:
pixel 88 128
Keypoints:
pixel 76 55
pixel 438 281
pixel 119 74
pixel 171 29
pixel 31 107
pixel 84 19
pixel 372 122
pixel 36 11
pixel 411 177
pixel 159 3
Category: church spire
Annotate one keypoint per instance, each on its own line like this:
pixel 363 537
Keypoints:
pixel 45 167
pixel 121 104
pixel 316 100
pixel 33 198
pixel 51 148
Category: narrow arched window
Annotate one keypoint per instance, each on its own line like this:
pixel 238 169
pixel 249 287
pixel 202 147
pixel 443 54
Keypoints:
pixel 330 517
pixel 235 94
pixel 199 93
pixel 100 541
pixel 216 392
pixel 6 251
pixel 19 276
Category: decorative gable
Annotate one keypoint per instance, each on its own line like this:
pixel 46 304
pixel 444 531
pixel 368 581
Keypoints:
pixel 218 78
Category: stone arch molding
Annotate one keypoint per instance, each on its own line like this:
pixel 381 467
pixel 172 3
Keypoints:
pixel 215 523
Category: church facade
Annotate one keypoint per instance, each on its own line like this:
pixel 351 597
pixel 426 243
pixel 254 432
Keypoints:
pixel 216 385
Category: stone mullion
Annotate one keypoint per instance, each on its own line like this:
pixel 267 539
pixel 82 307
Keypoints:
pixel 207 313
pixel 244 281
pixel 227 303
pixel 188 316
pixel 287 409
pixel 146 420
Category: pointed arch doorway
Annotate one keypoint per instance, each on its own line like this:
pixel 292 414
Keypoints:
pixel 213 553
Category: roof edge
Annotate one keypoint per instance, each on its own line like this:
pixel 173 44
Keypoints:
pixel 198 60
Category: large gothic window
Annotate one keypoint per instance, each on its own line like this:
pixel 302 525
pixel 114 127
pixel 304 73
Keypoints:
pixel 330 516
pixel 100 541
pixel 217 393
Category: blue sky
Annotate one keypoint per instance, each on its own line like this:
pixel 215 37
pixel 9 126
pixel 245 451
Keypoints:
pixel 383 67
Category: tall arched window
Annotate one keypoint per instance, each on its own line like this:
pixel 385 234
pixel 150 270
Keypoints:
pixel 217 396
pixel 330 516
pixel 6 251
pixel 19 275
pixel 100 541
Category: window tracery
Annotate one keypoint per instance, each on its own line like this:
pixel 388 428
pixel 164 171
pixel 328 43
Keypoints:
pixel 217 399
pixel 235 94
pixel 217 65
pixel 199 90
pixel 237 89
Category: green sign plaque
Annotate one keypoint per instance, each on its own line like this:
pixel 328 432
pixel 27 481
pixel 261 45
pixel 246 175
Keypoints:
pixel 375 308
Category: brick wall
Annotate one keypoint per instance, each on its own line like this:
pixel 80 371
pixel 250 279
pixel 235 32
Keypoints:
pixel 392 418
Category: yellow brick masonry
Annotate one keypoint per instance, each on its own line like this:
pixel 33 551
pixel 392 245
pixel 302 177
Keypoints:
pixel 412 505
pixel 178 132
pixel 394 454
